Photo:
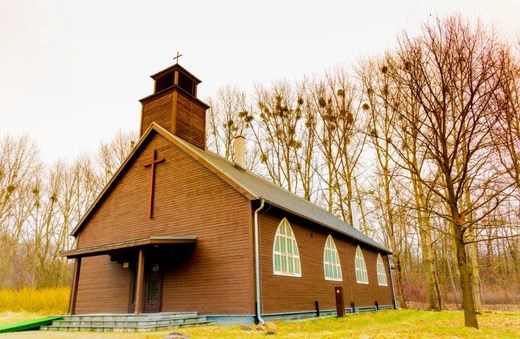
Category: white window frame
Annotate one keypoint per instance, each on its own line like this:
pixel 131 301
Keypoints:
pixel 331 263
pixel 361 267
pixel 285 251
pixel 381 272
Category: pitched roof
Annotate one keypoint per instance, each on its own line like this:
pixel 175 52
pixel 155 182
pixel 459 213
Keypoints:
pixel 261 188
pixel 250 185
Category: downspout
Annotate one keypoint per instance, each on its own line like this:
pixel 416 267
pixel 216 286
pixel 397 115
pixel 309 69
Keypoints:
pixel 391 267
pixel 257 265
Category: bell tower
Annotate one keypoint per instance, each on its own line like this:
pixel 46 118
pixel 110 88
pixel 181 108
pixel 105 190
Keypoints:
pixel 174 105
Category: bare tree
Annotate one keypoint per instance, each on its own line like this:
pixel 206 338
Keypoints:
pixel 44 227
pixel 395 138
pixel 333 106
pixel 19 163
pixel 39 205
pixel 452 71
pixel 113 153
pixel 381 133
pixel 278 130
pixel 228 117
pixel 506 136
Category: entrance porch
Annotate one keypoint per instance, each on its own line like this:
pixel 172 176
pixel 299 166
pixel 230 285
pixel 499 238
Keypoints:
pixel 145 258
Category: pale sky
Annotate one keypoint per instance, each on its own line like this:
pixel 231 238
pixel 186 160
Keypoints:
pixel 72 72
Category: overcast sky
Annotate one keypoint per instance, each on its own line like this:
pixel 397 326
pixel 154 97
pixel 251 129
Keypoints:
pixel 72 72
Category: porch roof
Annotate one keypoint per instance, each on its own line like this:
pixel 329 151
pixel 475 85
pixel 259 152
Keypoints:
pixel 129 244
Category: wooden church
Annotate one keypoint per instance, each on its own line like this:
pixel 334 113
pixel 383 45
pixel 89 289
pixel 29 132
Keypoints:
pixel 180 229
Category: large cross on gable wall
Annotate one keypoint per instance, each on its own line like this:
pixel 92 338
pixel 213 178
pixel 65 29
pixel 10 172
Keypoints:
pixel 152 164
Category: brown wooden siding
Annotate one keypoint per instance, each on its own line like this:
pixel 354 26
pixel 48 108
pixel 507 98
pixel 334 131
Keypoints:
pixel 103 286
pixel 188 200
pixel 368 294
pixel 158 110
pixel 291 294
pixel 178 113
pixel 190 120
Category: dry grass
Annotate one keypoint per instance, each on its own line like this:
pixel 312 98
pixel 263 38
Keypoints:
pixel 42 301
pixel 383 324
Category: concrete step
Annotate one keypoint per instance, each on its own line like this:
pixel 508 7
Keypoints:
pixel 130 316
pixel 127 322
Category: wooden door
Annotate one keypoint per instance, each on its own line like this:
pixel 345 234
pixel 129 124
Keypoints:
pixel 153 281
pixel 153 289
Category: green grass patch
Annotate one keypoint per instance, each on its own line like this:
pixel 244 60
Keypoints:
pixel 41 301
pixel 382 324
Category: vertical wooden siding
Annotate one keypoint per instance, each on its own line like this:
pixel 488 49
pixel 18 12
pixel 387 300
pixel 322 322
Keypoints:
pixel 158 110
pixel 190 120
pixel 178 113
pixel 189 200
pixel 290 294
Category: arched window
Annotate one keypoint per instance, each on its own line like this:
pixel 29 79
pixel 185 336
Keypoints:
pixel 331 264
pixel 381 273
pixel 361 267
pixel 286 258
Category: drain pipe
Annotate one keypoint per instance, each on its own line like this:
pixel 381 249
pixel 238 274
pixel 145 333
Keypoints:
pixel 257 265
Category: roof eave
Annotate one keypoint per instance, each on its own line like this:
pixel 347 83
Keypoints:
pixel 176 66
pixel 171 88
pixel 129 244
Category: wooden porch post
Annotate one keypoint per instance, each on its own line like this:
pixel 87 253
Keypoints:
pixel 140 283
pixel 74 289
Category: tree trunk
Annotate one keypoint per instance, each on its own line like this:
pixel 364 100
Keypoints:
pixel 434 297
pixel 399 282
pixel 475 272
pixel 468 305
pixel 425 232
pixel 363 226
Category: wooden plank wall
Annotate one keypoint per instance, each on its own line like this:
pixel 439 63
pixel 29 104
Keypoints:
pixel 103 286
pixel 158 110
pixel 190 120
pixel 178 113
pixel 291 294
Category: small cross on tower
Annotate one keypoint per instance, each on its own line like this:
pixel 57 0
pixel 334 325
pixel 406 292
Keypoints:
pixel 152 179
pixel 177 57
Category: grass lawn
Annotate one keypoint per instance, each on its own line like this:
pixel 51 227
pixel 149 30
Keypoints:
pixel 383 324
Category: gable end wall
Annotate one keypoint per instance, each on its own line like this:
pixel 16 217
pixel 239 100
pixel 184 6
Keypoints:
pixel 218 275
